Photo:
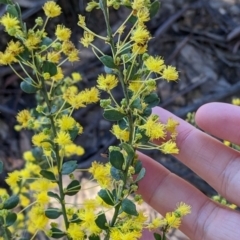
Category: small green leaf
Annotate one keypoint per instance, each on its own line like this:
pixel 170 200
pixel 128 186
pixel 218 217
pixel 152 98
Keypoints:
pixel 5 233
pixel 116 174
pixel 12 10
pixel 37 153
pixel 154 8
pixel 129 207
pixel 46 41
pixel 1 166
pixel 73 133
pixel 11 219
pixel 57 233
pixel 108 61
pixel 54 109
pixel 49 67
pixel 101 221
pixel 116 158
pixel 157 236
pixel 132 19
pixel 106 196
pixel 152 100
pixel 138 166
pixel 147 112
pixel 129 150
pixel 53 213
pixel 68 167
pixel 113 115
pixel 48 175
pixel 144 138
pixel 75 219
pixel 73 188
pixel 140 175
pixel 53 195
pixel 11 202
pixel 136 104
pixel 27 86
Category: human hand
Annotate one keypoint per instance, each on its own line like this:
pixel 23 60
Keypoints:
pixel 216 163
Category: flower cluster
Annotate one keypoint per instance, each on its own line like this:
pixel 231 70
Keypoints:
pixel 128 68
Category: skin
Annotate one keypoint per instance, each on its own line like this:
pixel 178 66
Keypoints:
pixel 216 163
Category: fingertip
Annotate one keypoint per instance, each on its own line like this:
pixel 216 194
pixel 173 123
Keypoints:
pixel 205 112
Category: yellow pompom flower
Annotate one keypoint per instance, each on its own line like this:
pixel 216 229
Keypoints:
pixel 63 138
pixel 170 73
pixel 135 85
pixel 154 64
pixel 28 156
pixel 73 56
pixel 62 33
pixel 67 47
pixel 182 209
pixel 53 57
pixel 169 147
pixel 90 95
pixel 42 197
pixel 23 118
pixel 10 22
pixel 153 128
pixel 32 41
pixel 86 39
pixel 81 21
pixel 73 149
pixel 172 220
pixel 101 173
pixel 13 178
pixel 107 83
pixel 236 101
pixel 15 48
pixel 51 9
pixel 74 232
pixel 37 219
pixel 7 58
pixel 121 134
pixel 171 125
pixel 76 76
pixel 141 35
pixel 139 49
pixel 143 15
pixel 39 140
pixel 59 76
pixel 66 123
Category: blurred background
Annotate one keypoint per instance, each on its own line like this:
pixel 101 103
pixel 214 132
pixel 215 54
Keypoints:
pixel 200 37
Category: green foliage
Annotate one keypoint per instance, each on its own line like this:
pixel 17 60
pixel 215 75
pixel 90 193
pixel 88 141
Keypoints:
pixel 10 219
pixel 48 175
pixel 116 158
pixel 113 115
pixel 57 233
pixel 54 195
pixel 106 196
pixel 53 213
pixel 129 207
pixel 27 86
pixel 101 221
pixel 68 167
pixel 49 67
pixel 73 188
pixel 108 61
pixel 11 202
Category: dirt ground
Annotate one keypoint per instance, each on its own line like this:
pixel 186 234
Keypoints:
pixel 200 37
